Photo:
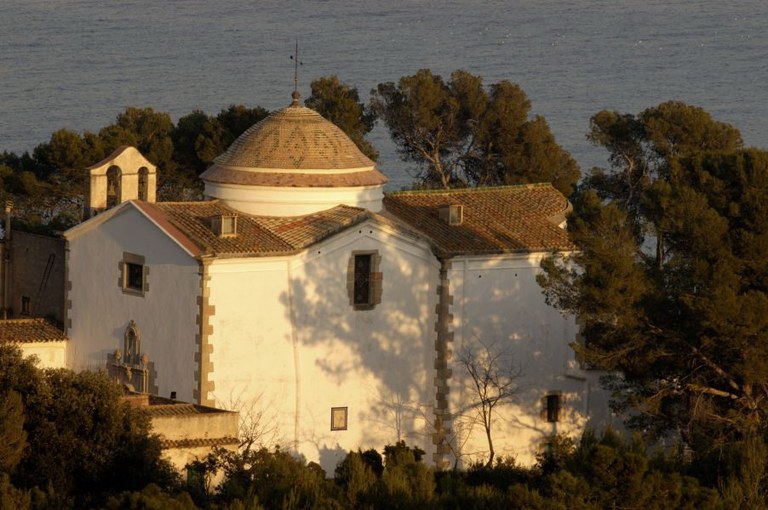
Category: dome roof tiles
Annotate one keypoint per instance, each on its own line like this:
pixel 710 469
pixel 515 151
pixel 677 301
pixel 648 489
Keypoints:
pixel 294 138
pixel 294 147
pixel 295 179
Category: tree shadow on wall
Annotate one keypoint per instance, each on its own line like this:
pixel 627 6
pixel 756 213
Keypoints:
pixel 386 353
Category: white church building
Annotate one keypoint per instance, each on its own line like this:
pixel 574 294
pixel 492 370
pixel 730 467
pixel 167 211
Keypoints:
pixel 300 293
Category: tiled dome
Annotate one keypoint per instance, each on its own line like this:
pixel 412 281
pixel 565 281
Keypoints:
pixel 294 147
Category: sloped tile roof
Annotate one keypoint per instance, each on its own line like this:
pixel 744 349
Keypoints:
pixel 30 330
pixel 495 220
pixel 167 444
pixel 256 235
pixel 179 409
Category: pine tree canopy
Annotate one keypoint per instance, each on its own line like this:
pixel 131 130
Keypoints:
pixel 671 280
pixel 460 133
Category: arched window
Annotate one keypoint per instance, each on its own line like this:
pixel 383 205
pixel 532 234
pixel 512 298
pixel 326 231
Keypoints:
pixel 132 344
pixel 143 183
pixel 113 186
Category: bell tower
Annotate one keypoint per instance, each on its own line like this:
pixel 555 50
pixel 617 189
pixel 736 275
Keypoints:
pixel 124 175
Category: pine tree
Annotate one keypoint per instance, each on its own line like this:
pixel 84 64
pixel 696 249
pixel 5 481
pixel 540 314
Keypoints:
pixel 671 280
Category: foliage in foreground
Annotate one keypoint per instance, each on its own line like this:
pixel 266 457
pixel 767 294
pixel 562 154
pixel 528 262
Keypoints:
pixel 598 472
pixel 82 448
pixel 670 283
pixel 69 438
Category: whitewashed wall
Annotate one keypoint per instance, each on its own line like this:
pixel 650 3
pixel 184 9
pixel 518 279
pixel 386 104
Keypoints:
pixel 498 303
pixel 287 340
pixel 288 345
pixel 293 201
pixel 51 354
pixel 100 311
pixel 203 426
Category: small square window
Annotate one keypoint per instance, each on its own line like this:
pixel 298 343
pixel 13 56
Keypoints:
pixel 228 225
pixel 338 418
pixel 452 214
pixel 224 225
pixel 133 274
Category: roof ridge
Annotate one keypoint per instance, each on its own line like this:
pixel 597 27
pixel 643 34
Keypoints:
pixel 475 189
pixel 187 202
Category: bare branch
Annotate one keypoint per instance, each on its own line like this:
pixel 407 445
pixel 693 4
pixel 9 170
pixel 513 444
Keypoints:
pixel 494 383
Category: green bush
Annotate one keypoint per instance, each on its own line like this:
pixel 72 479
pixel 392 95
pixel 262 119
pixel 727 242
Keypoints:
pixel 274 479
pixel 357 479
pixel 84 442
pixel 151 498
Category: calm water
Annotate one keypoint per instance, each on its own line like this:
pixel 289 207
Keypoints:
pixel 78 63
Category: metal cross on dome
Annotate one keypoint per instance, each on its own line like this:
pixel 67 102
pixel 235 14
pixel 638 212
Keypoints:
pixel 296 64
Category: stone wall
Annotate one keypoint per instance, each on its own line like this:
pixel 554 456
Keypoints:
pixel 37 276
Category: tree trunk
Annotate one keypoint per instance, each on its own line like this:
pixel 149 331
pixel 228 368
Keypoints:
pixel 491 453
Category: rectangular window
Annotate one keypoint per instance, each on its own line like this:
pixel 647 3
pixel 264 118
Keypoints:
pixel 25 305
pixel 338 418
pixel 553 405
pixel 133 274
pixel 362 286
pixel 364 280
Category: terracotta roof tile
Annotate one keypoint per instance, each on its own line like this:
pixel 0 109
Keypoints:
pixel 256 235
pixel 180 409
pixel 194 443
pixel 495 220
pixel 30 330
pixel 225 175
pixel 162 221
pixel 161 406
pixel 294 147
pixel 304 231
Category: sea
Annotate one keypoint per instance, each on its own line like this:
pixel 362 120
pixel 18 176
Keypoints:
pixel 77 64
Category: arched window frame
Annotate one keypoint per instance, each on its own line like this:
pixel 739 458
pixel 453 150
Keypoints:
pixel 143 183
pixel 114 178
pixel 132 344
